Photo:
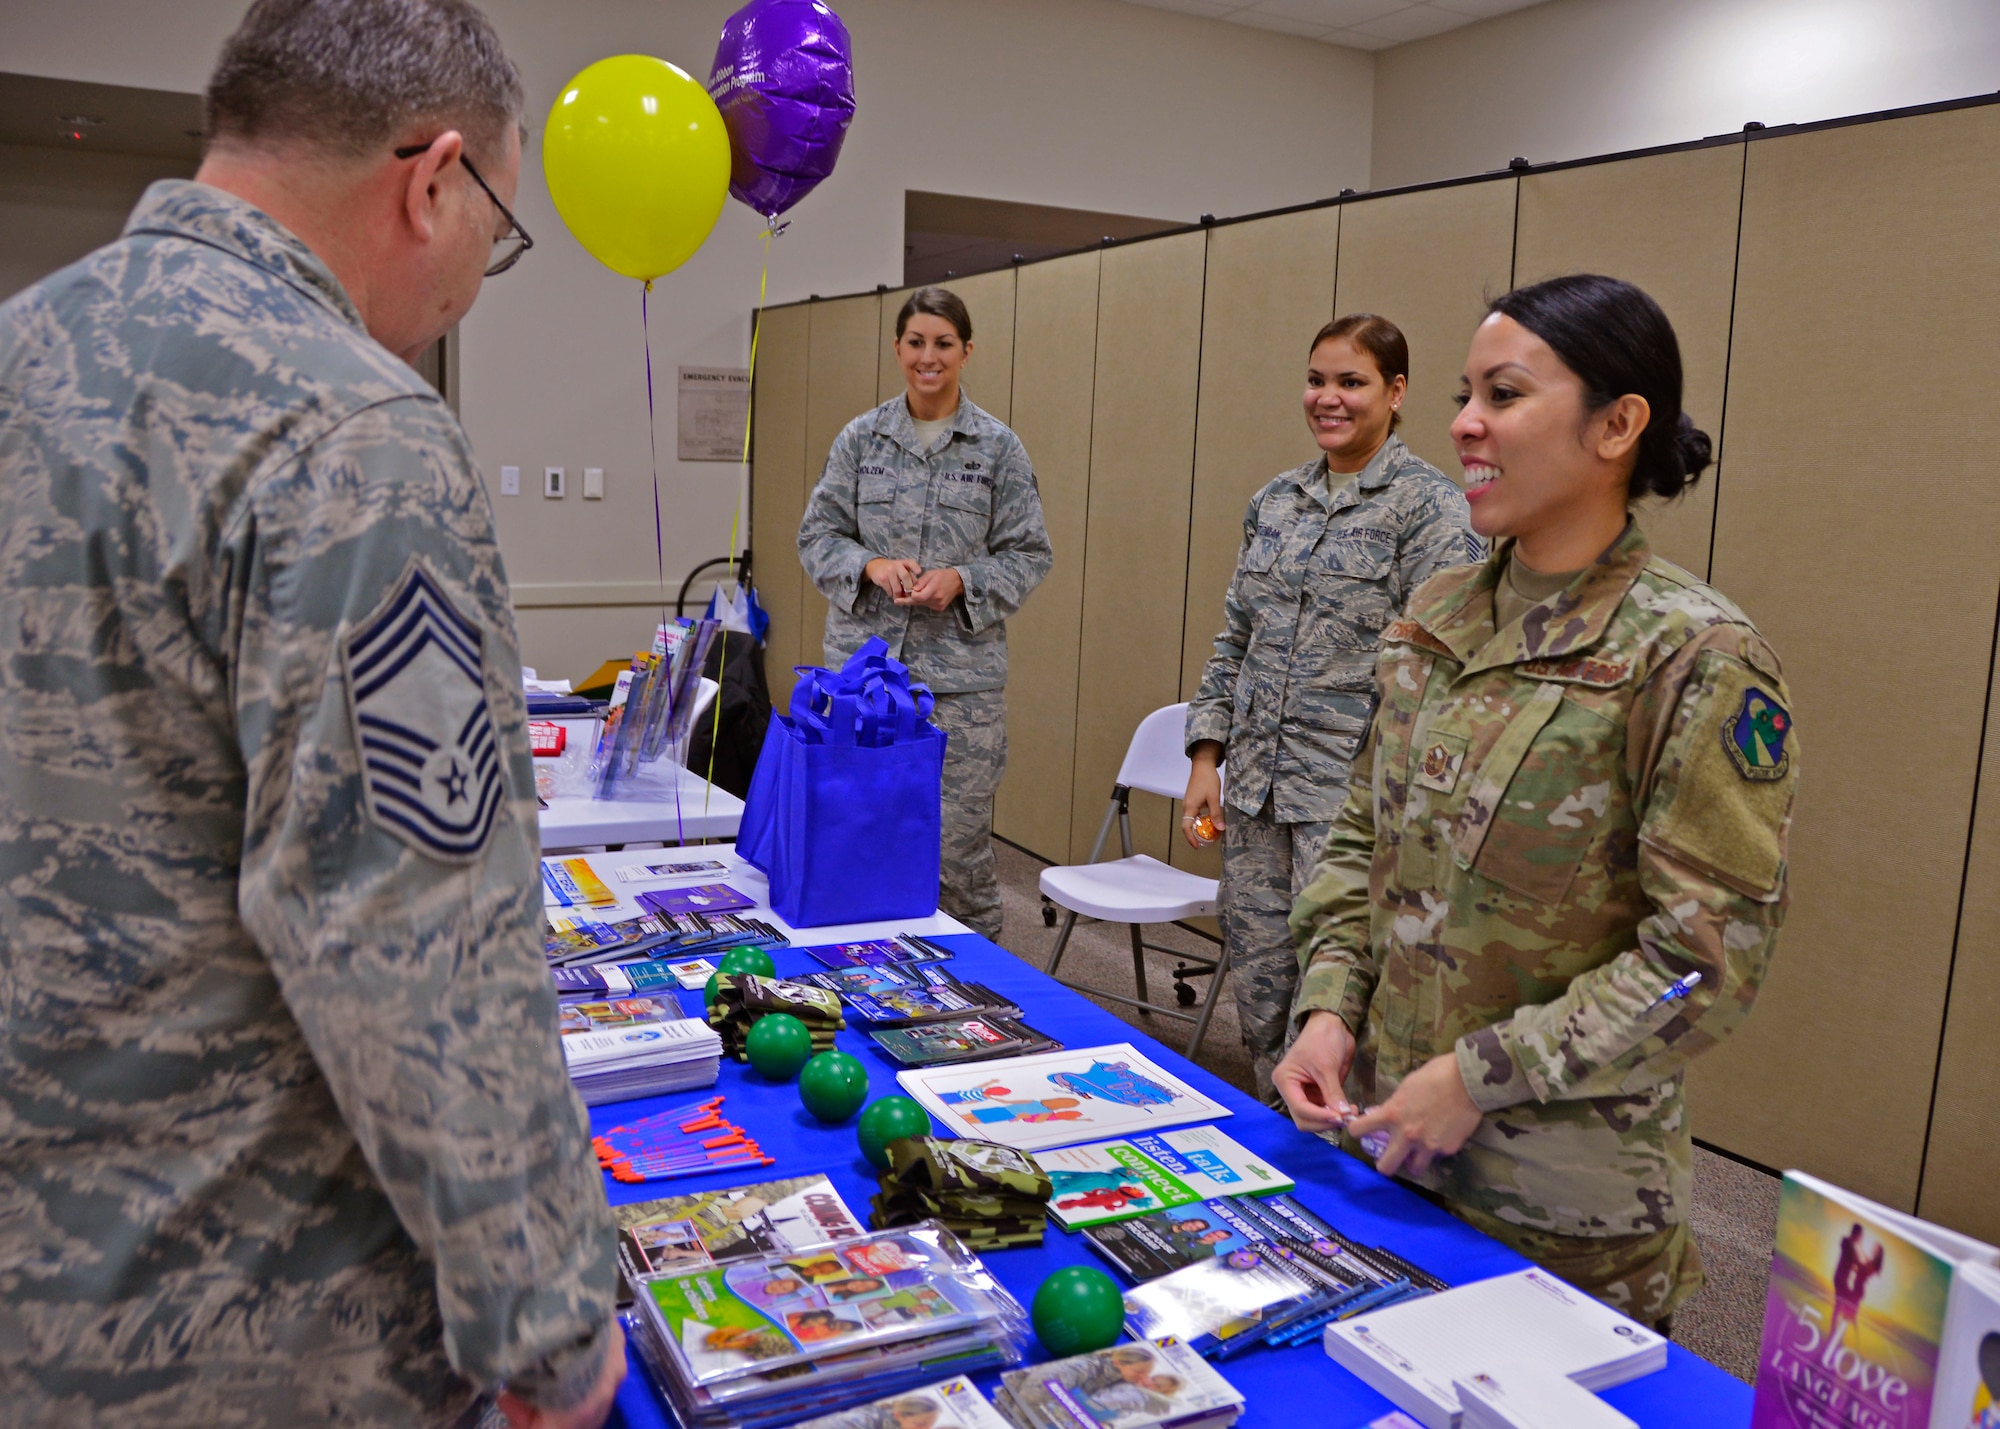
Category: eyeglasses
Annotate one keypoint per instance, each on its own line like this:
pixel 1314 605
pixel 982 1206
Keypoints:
pixel 509 246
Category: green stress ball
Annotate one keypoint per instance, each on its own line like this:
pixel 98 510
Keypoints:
pixel 890 1119
pixel 833 1086
pixel 1077 1310
pixel 708 990
pixel 778 1045
pixel 747 960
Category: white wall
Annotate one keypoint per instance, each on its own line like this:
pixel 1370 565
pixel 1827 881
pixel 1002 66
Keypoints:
pixel 1574 78
pixel 1082 103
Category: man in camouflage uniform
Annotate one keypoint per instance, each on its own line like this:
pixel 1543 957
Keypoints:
pixel 1326 562
pixel 966 502
pixel 285 1132
pixel 1550 828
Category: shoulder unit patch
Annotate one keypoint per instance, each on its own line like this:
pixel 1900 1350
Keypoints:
pixel 416 693
pixel 1755 739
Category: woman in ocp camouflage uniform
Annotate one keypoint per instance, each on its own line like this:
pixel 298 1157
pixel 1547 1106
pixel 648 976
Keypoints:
pixel 926 529
pixel 1330 552
pixel 1574 798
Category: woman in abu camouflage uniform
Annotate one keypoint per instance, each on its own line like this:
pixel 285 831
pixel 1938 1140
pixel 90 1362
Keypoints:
pixel 926 529
pixel 1560 869
pixel 1330 552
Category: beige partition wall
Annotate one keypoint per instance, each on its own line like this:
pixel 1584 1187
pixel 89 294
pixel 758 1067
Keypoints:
pixel 1269 290
pixel 989 375
pixel 1666 222
pixel 778 486
pixel 1135 561
pixel 1427 261
pixel 1961 1181
pixel 1859 530
pixel 840 387
pixel 1055 359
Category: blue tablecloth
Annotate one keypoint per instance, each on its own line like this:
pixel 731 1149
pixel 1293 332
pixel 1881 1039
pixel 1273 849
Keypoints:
pixel 1294 1387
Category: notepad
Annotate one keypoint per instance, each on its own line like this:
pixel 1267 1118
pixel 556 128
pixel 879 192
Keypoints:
pixel 1531 1396
pixel 1412 1351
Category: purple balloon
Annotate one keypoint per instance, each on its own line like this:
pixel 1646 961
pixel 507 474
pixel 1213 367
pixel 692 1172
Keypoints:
pixel 784 81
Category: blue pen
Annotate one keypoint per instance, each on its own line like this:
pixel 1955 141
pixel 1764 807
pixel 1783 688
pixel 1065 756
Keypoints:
pixel 1677 990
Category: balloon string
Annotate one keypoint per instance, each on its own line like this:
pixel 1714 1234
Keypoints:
pixel 736 517
pixel 659 540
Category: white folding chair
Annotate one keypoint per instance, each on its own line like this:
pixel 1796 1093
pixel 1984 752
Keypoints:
pixel 1138 889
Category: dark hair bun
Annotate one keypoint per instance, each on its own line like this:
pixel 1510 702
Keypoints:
pixel 1695 448
pixel 1615 338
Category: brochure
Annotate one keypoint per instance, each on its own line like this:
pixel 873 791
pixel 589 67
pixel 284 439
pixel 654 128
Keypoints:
pixel 753 1316
pixel 701 898
pixel 1118 1180
pixel 654 872
pixel 1058 1098
pixel 875 953
pixel 767 1218
pixel 1133 1386
pixel 955 1404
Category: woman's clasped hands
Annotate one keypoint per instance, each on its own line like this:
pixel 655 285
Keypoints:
pixel 908 583
pixel 1430 1115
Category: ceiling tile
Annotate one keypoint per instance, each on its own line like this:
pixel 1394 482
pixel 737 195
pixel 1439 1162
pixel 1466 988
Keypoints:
pixel 1418 22
pixel 1483 9
pixel 1327 14
pixel 1362 24
pixel 1283 24
pixel 1355 40
pixel 1211 9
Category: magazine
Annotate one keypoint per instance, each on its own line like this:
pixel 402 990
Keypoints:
pixel 700 898
pixel 895 995
pixel 955 1404
pixel 654 872
pixel 1118 1180
pixel 1057 1098
pixel 707 1227
pixel 1132 1386
pixel 580 1017
pixel 752 1316
pixel 1214 1303
pixel 1165 1241
pixel 876 952
pixel 571 882
pixel 937 1044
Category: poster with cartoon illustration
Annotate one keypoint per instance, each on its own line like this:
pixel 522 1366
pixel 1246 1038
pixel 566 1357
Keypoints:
pixel 1058 1098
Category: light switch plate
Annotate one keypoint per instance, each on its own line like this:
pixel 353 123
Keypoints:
pixel 593 483
pixel 552 482
pixel 510 481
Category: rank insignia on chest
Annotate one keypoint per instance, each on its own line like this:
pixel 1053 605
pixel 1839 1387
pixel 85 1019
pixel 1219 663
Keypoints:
pixel 416 691
pixel 1755 739
pixel 1438 769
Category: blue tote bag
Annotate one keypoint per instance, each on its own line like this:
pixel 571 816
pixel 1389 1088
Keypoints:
pixel 844 810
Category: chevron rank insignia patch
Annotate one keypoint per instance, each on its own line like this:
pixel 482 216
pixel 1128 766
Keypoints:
pixel 416 692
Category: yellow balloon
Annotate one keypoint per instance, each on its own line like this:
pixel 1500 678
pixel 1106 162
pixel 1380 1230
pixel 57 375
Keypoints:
pixel 637 162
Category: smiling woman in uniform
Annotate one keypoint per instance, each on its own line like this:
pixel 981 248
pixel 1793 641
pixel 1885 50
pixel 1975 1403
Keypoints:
pixel 926 529
pixel 1330 552
pixel 1560 869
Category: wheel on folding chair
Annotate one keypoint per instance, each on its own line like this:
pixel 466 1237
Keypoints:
pixel 1048 914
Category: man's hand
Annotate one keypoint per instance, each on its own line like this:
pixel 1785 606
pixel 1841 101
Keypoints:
pixel 934 590
pixel 1429 1116
pixel 1314 1071
pixel 1204 792
pixel 895 577
pixel 591 1413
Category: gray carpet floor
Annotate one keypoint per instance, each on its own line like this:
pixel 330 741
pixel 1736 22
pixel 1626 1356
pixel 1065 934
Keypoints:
pixel 1735 1206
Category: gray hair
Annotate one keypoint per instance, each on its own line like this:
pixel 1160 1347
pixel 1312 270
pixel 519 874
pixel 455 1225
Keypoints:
pixel 353 76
